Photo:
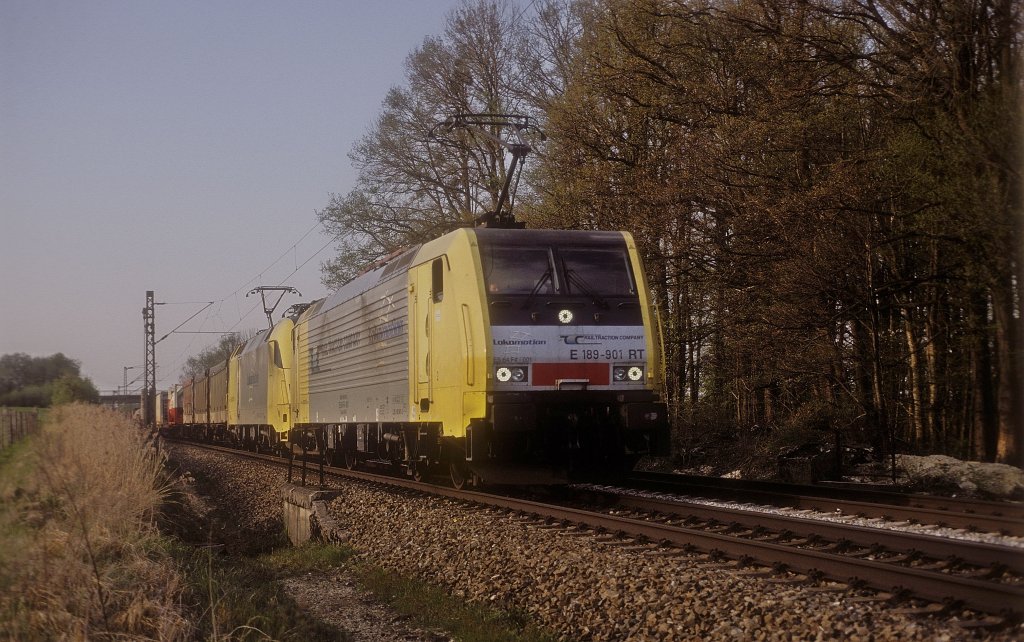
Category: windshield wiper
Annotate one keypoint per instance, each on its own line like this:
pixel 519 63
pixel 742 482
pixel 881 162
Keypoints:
pixel 536 289
pixel 573 277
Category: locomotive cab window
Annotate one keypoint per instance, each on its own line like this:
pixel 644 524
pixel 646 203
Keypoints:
pixel 437 279
pixel 520 270
pixel 602 270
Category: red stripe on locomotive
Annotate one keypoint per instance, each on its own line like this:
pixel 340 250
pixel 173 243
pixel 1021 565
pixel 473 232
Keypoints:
pixel 546 374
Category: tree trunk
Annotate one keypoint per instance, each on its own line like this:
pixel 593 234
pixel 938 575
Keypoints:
pixel 865 388
pixel 985 414
pixel 918 433
pixel 1008 397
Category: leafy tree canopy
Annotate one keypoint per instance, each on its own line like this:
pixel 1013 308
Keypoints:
pixel 40 381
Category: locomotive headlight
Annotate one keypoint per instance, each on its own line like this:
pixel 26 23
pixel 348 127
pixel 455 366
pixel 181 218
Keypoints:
pixel 565 316
pixel 627 373
pixel 515 374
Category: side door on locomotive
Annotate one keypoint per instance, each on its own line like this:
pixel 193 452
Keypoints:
pixel 447 331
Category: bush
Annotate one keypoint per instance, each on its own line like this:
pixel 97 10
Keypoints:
pixel 81 557
pixel 37 396
pixel 71 388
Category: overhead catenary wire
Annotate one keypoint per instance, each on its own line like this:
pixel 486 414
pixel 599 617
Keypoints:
pixel 253 308
pixel 215 312
pixel 293 248
pixel 208 304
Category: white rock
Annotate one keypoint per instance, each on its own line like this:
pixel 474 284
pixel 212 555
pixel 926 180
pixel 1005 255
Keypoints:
pixel 999 480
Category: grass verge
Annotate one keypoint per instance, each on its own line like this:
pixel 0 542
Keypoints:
pixel 433 607
pixel 423 605
pixel 241 598
pixel 82 557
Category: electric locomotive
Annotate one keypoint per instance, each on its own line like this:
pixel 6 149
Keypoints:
pixel 504 355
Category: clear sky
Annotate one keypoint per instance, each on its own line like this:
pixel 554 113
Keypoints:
pixel 182 147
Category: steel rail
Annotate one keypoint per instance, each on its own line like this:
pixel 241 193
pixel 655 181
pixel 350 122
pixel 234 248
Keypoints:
pixel 1003 517
pixel 935 547
pixel 987 597
pixel 983 596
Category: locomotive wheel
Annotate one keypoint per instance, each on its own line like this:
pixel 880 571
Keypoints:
pixel 419 470
pixel 332 458
pixel 349 459
pixel 460 474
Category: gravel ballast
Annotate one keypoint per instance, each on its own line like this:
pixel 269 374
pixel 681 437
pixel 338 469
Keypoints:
pixel 242 512
pixel 590 588
pixel 584 586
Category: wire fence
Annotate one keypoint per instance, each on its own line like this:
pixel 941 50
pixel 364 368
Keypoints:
pixel 17 424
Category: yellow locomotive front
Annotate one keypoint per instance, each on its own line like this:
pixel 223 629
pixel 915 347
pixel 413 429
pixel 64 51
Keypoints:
pixel 574 355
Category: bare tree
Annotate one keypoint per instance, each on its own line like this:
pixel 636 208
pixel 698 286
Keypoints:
pixel 415 183
pixel 211 356
pixel 828 196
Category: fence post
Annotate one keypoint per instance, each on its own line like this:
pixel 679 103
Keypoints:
pixel 15 425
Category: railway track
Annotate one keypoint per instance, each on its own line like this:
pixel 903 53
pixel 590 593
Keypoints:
pixel 974 515
pixel 948 575
pixel 981 558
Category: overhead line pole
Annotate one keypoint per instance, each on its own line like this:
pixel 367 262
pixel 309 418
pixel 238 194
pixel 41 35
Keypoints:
pixel 148 401
pixel 124 390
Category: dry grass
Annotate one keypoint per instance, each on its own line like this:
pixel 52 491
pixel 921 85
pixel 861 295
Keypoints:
pixel 80 555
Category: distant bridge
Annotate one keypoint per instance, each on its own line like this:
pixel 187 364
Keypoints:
pixel 127 404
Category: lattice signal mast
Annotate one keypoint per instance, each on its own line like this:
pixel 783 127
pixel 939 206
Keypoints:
pixel 148 395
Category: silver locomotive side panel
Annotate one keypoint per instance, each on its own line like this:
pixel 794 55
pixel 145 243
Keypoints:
pixel 253 366
pixel 357 352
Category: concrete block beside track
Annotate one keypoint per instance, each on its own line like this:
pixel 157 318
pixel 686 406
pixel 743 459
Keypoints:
pixel 306 517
